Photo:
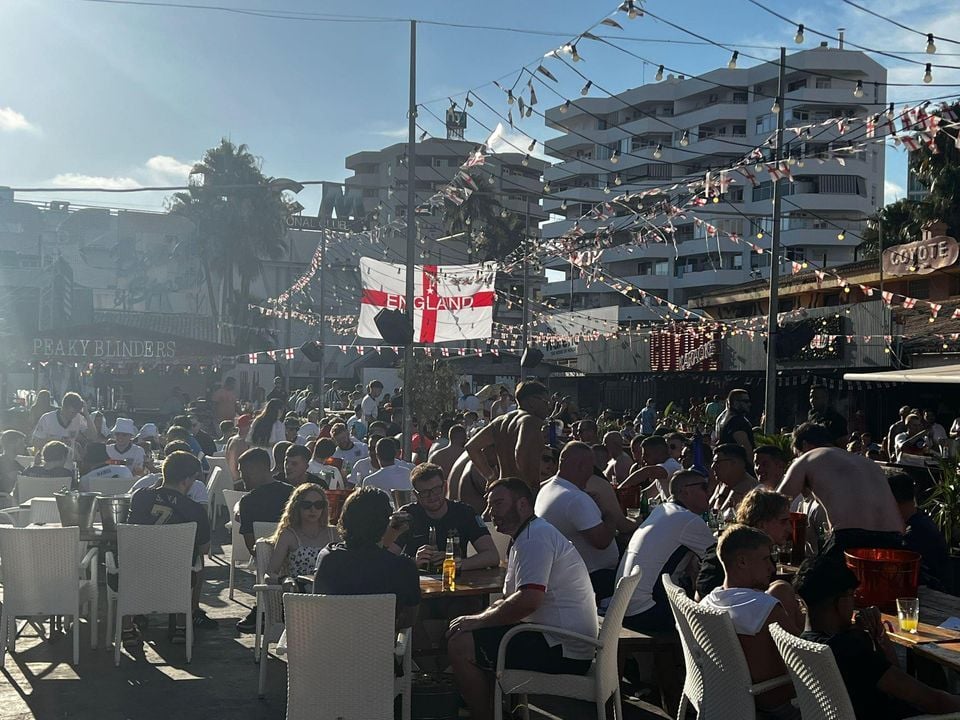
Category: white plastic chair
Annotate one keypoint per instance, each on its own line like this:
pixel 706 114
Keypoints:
pixel 264 530
pixel 44 574
pixel 352 639
pixel 600 682
pixel 111 485
pixel 821 692
pixel 718 677
pixel 44 510
pixel 218 481
pixel 31 487
pixel 239 555
pixel 154 575
pixel 269 625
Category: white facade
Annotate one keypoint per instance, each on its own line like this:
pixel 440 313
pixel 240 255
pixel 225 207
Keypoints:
pixel 724 114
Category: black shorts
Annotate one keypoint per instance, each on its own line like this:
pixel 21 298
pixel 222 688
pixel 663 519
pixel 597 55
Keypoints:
pixel 526 651
pixel 845 539
pixel 659 618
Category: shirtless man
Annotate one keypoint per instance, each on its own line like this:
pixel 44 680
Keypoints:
pixel 237 446
pixel 517 438
pixel 618 468
pixel 852 490
pixel 447 456
pixel 467 485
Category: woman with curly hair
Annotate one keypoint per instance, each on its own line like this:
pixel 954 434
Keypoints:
pixel 303 531
pixel 267 428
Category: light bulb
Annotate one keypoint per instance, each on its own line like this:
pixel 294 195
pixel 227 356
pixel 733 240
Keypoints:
pixel 510 98
pixel 930 319
pixel 586 88
pixel 931 47
pixel 846 289
pixel 659 75
pixel 800 161
pixel 732 65
pixel 574 55
pixel 617 180
pixel 841 235
pixel 565 107
pixel 759 234
pixel 469 102
pixel 503 213
pixel 776 106
pixel 525 161
pixel 758 168
pixel 716 199
pixel 546 187
pixel 606 189
pixel 658 152
pixel 491 179
pixel 614 158
pixel 531 146
pixel 928 74
pixel 858 90
pixel 890 112
pixel 798 38
pixel 685 139
pixel 467 221
pixel 563 206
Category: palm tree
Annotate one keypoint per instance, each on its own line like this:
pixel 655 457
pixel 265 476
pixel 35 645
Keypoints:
pixel 239 221
pixel 898 222
pixel 493 231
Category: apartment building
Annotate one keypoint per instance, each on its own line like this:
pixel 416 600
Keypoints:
pixel 676 129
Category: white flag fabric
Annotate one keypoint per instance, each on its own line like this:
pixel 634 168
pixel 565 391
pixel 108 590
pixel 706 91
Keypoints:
pixel 450 302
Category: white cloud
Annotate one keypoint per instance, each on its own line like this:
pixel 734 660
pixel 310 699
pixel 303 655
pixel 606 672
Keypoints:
pixel 165 168
pixel 892 192
pixel 399 133
pixel 12 121
pixel 93 181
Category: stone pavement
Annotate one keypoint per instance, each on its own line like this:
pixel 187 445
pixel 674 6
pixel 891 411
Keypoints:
pixel 155 682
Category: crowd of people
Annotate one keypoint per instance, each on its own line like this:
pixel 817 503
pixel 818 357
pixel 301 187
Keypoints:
pixel 585 500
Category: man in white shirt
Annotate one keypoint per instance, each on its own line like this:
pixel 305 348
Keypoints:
pixel 390 476
pixel 666 542
pixel 745 554
pixel 370 406
pixel 96 464
pixel 349 450
pixel 546 583
pixel 563 503
pixel 467 401
pixel 68 424
pixel 122 448
pixel 196 492
pixel 658 468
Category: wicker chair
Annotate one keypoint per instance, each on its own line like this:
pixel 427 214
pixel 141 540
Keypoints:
pixel 31 487
pixel 269 614
pixel 339 659
pixel 601 681
pixel 44 510
pixel 821 691
pixel 718 678
pixel 218 481
pixel 155 575
pixel 44 575
pixel 239 555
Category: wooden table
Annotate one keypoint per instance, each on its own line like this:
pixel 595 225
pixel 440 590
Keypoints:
pixel 931 643
pixel 468 583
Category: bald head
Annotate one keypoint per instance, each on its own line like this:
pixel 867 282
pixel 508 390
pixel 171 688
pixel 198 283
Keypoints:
pixel 613 441
pixel 576 463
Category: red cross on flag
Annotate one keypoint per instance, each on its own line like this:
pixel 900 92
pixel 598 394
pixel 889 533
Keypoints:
pixel 451 302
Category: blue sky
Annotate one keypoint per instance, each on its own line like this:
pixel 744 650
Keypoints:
pixel 97 93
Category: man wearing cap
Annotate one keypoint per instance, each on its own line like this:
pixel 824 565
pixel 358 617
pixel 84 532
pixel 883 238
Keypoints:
pixel 122 450
pixel 96 464
pixel 237 445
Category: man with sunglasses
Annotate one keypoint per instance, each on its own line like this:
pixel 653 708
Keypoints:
pixel 433 509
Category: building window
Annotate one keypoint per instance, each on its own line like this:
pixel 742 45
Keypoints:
pixel 796 85
pixel 796 253
pixel 713 99
pixel 766 123
pixel 735 194
pixel 601 124
pixel 738 262
pixel 739 130
pixel 823 83
pixel 740 98
pixel 661 268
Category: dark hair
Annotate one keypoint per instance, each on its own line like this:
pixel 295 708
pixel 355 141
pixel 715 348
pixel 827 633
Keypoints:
pixel 225 426
pixel 324 448
pixel 516 486
pixel 364 518
pixel 760 505
pixel 654 442
pixel 375 384
pixel 823 579
pixel 298 451
pixel 386 449
pixel 8 437
pixel 425 471
pixel 182 421
pixel 292 422
pixel 177 432
pixel 72 401
pixel 740 538
pixel 280 452
pixel 529 389
pixel 54 451
pixel 732 450
pixel 456 430
pixel 96 454
pixel 774 452
pixel 809 433
pixel 176 446
pixel 377 425
pixel 736 391
pixel 262 427
pixel 338 428
pixel 901 485
pixel 178 466
pixel 255 457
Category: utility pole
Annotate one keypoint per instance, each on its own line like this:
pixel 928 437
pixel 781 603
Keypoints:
pixel 770 397
pixel 526 290
pixel 322 318
pixel 411 240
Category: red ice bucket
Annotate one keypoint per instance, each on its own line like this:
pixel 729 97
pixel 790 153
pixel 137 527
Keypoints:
pixel 884 576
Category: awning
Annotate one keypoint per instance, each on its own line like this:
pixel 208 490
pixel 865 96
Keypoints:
pixel 943 374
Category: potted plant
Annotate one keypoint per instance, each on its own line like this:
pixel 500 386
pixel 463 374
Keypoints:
pixel 943 507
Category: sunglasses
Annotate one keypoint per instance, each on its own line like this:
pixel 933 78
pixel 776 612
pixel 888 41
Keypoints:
pixel 315 504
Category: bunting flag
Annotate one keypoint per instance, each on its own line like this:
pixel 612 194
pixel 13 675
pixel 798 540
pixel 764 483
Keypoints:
pixel 252 358
pixel 288 353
